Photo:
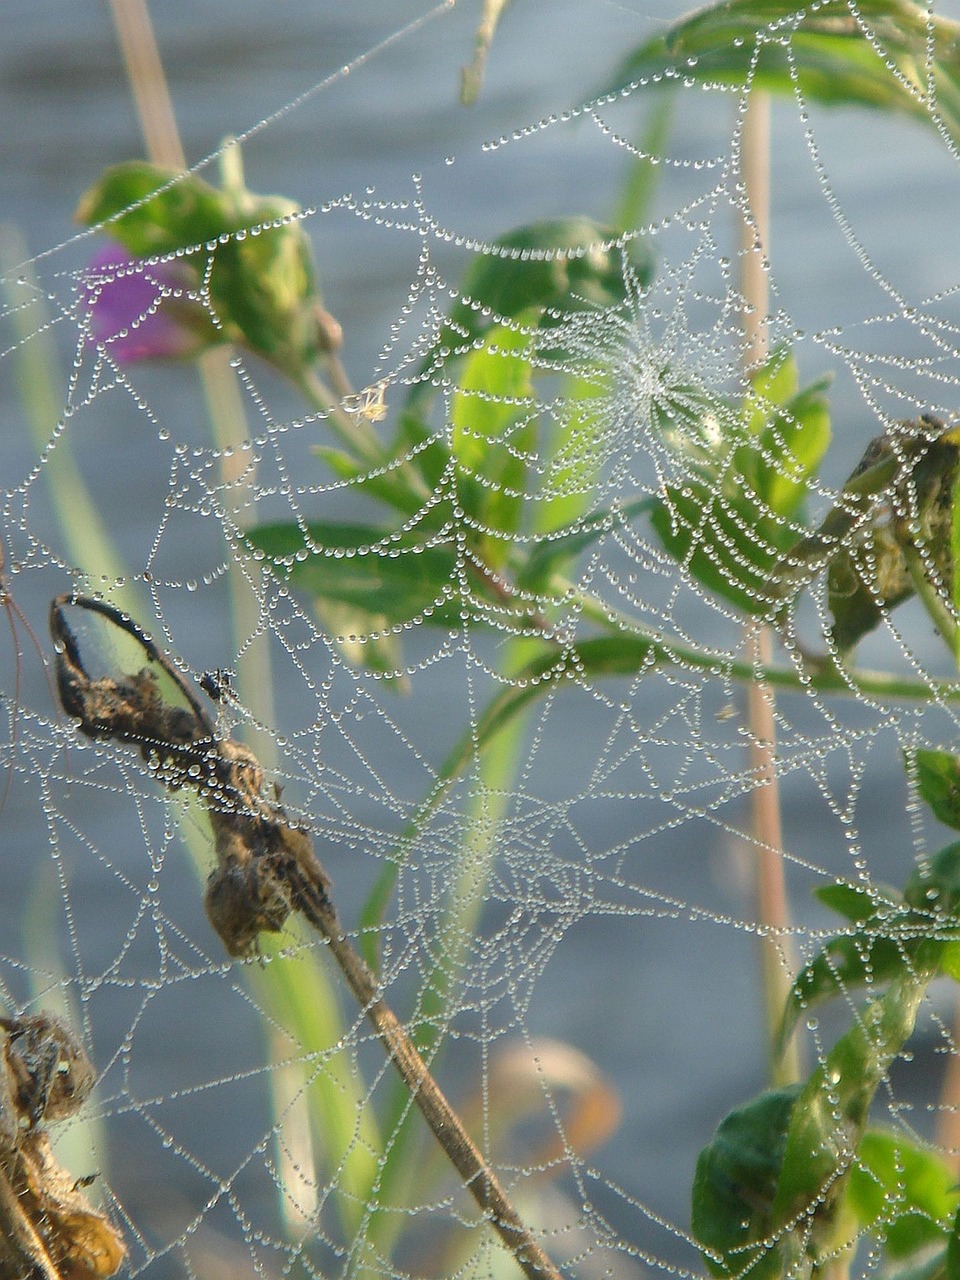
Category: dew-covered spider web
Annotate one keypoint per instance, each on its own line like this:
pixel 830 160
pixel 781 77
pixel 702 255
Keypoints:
pixel 480 550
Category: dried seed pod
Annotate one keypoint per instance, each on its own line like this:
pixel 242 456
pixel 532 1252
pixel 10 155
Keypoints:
pixel 50 1071
pixel 48 1229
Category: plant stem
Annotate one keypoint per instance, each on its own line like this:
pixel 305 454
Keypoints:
pixel 937 609
pixel 821 675
pixel 353 431
pixel 777 959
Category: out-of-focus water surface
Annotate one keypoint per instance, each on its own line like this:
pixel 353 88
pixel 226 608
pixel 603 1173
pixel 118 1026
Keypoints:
pixel 667 1006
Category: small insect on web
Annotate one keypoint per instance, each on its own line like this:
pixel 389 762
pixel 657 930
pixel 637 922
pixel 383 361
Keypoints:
pixel 370 403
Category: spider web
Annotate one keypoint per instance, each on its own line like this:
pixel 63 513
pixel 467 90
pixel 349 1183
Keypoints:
pixel 572 932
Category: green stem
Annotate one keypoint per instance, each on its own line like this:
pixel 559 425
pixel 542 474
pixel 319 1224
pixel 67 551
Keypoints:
pixel 84 532
pixel 939 612
pixel 822 675
pixel 496 768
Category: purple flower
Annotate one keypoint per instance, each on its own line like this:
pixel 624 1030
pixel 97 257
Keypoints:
pixel 140 310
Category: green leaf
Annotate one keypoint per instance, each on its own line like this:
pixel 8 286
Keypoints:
pixel 749 470
pixel 870 957
pixel 153 211
pixel 550 554
pixel 938 781
pixel 791 449
pixel 907 1192
pixel 574 456
pixel 735 1186
pixel 934 887
pixel 856 902
pixel 893 937
pixel 390 486
pixel 553 267
pixel 729 545
pixel 880 58
pixel 785 435
pixel 369 568
pixel 493 435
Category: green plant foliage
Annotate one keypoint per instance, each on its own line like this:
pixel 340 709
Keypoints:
pixel 890 54
pixel 494 432
pixel 473 480
pixel 250 253
pixel 854 901
pixel 559 265
pixel 550 554
pixel 769 1191
pixel 369 568
pixel 893 937
pixel 906 1195
pixel 830 1116
pixel 547 270
pixel 938 781
pixel 748 471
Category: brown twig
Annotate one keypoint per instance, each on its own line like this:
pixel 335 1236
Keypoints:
pixel 266 869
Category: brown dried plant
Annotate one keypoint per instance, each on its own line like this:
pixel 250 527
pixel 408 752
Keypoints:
pixel 266 869
pixel 48 1228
